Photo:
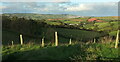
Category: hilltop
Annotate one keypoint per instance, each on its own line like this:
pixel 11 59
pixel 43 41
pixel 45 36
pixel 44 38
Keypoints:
pixel 70 17
pixel 40 16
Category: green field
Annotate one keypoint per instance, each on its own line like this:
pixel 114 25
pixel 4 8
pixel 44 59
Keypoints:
pixel 63 34
pixel 76 52
pixel 89 40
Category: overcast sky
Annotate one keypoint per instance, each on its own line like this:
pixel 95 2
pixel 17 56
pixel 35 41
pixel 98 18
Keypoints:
pixel 75 7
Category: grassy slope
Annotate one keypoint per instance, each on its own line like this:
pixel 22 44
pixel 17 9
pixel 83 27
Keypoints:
pixel 63 34
pixel 79 51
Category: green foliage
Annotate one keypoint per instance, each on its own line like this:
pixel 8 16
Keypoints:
pixel 77 34
pixel 35 30
pixel 107 27
pixel 53 23
pixel 102 51
pixel 113 33
pixel 80 51
pixel 115 25
pixel 89 26
pixel 71 22
pixel 108 18
pixel 34 27
pixel 63 35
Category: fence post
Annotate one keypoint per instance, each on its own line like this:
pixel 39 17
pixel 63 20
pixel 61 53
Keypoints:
pixel 94 40
pixel 117 39
pixel 12 43
pixel 70 42
pixel 56 39
pixel 21 39
pixel 43 42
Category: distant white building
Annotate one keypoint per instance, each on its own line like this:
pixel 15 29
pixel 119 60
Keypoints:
pixel 73 24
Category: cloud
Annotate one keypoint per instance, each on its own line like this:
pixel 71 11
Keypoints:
pixel 95 1
pixel 35 0
pixel 91 6
pixel 44 7
pixel 36 7
pixel 2 7
pixel 82 9
pixel 59 0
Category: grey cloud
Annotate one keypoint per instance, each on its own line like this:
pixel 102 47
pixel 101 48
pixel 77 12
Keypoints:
pixel 60 8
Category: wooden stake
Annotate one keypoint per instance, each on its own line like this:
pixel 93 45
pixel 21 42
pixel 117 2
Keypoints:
pixel 94 40
pixel 70 42
pixel 117 39
pixel 56 39
pixel 12 43
pixel 43 42
pixel 21 39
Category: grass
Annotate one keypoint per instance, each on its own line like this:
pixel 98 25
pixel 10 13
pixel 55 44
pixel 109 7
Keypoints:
pixel 63 35
pixel 9 36
pixel 78 35
pixel 108 18
pixel 78 51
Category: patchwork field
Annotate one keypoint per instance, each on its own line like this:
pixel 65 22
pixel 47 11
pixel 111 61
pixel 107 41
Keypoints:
pixel 33 37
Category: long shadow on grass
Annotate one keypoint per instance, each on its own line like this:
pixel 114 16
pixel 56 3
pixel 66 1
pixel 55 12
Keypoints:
pixel 66 52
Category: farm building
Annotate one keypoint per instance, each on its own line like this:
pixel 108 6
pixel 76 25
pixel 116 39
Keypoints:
pixel 94 19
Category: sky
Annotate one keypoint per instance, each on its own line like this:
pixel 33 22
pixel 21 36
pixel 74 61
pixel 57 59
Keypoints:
pixel 74 7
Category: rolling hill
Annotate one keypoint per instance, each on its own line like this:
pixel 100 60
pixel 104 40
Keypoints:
pixel 40 16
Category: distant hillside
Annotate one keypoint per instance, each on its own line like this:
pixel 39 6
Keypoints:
pixel 108 18
pixel 40 16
